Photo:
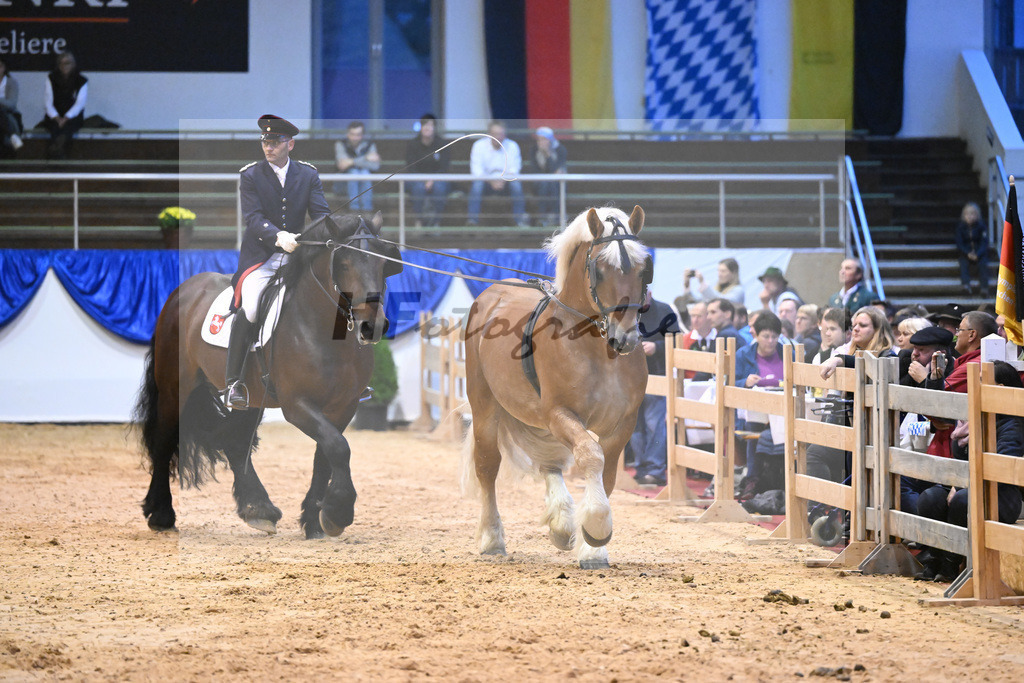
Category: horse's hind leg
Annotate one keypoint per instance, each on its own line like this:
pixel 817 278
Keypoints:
pixel 558 510
pixel 157 506
pixel 310 517
pixel 486 462
pixel 161 444
pixel 253 502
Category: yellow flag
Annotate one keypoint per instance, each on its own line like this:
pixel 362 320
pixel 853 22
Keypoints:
pixel 821 85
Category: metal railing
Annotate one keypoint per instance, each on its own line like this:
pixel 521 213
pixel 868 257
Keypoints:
pixel 722 180
pixel 998 193
pixel 856 225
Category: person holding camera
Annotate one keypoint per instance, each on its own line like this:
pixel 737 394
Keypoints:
pixel 727 287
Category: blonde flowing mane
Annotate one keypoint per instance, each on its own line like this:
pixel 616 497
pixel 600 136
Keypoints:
pixel 560 246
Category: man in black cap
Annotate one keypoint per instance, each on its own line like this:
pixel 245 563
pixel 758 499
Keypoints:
pixel 776 290
pixel 948 317
pixel 276 196
pixel 917 368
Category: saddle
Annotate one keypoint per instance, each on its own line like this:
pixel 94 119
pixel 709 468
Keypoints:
pixel 216 328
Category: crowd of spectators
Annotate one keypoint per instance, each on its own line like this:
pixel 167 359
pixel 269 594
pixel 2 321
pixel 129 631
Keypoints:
pixel 934 350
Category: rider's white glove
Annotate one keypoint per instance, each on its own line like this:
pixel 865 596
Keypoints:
pixel 287 241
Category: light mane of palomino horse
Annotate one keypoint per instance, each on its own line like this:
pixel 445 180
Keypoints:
pixel 318 362
pixel 589 384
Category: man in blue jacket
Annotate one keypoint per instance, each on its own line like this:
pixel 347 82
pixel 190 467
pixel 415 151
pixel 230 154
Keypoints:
pixel 276 194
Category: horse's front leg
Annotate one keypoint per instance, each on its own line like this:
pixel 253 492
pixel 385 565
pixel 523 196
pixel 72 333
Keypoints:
pixel 310 517
pixel 594 514
pixel 337 509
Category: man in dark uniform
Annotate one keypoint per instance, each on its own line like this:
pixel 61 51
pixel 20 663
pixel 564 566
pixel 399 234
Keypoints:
pixel 276 194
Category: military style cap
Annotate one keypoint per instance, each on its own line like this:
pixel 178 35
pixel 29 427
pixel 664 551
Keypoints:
pixel 932 336
pixel 276 126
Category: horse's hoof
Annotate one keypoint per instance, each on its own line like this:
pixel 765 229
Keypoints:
pixel 594 564
pixel 594 542
pixel 314 535
pixel 561 541
pixel 160 528
pixel 329 527
pixel 264 525
pixel 497 550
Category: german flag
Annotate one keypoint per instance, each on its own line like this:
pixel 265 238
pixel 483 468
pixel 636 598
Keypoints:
pixel 1010 289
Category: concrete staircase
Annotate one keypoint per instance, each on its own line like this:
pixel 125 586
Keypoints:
pixel 913 192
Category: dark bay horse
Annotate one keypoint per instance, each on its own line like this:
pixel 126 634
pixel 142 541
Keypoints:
pixel 318 364
pixel 588 389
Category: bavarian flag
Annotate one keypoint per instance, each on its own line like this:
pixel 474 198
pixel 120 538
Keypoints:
pixel 1010 289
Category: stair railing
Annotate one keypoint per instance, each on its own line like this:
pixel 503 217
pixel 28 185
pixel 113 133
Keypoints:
pixel 857 226
pixel 998 192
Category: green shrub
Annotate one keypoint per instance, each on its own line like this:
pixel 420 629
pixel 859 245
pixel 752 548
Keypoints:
pixel 384 379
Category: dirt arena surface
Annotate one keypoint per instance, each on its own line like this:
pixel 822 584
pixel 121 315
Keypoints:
pixel 90 593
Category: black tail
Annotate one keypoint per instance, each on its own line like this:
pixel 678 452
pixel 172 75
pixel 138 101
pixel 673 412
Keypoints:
pixel 207 431
pixel 145 415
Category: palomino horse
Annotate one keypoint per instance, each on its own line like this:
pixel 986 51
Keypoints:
pixel 317 362
pixel 579 399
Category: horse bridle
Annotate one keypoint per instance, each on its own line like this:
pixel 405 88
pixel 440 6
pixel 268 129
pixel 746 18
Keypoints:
pixel 364 236
pixel 620 234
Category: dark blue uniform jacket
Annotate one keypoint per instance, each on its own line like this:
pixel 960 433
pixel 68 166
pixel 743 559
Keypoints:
pixel 268 208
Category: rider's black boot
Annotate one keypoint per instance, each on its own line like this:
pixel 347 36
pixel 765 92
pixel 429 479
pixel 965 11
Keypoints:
pixel 236 395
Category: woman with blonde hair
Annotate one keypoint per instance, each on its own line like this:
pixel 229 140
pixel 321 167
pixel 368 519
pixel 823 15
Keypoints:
pixel 907 328
pixel 870 332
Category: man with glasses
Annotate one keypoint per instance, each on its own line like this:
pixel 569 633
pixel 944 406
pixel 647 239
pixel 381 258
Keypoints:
pixel 974 327
pixel 276 195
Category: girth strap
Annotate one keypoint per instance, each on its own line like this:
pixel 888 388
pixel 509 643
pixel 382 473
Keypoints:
pixel 526 349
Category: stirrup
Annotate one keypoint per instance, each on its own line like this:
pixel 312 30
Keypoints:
pixel 236 395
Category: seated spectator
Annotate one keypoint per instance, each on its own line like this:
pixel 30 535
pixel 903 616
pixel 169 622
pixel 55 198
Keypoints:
pixel 488 161
pixel 10 117
pixel 807 332
pixel 357 156
pixel 647 446
pixel 549 156
pixel 727 287
pixel 721 314
pixel 948 316
pixel 702 334
pixel 887 309
pixel 788 331
pixel 787 313
pixel 761 364
pixel 870 332
pixel 949 505
pixel 776 289
pixel 835 333
pixel 974 327
pixel 906 329
pixel 741 321
pixel 972 247
pixel 423 155
pixel 66 93
pixel 854 294
pixel 924 365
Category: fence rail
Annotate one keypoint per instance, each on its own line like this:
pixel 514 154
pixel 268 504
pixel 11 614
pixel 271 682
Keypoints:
pixel 725 183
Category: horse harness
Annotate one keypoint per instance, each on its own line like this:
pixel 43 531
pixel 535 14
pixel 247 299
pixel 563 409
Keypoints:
pixel 619 235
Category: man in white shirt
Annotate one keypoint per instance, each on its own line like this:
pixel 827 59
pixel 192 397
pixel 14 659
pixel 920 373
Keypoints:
pixel 496 163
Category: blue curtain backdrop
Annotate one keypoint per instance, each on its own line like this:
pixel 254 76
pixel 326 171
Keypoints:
pixel 125 290
pixel 21 274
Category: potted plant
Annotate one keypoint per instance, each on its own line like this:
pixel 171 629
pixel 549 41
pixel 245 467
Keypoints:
pixel 176 224
pixel 373 413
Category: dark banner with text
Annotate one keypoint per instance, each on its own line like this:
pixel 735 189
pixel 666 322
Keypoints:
pixel 126 35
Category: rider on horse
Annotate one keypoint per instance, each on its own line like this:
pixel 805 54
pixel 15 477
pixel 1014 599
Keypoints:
pixel 276 195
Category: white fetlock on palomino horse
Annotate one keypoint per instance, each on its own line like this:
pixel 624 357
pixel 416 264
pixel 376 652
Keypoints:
pixel 552 380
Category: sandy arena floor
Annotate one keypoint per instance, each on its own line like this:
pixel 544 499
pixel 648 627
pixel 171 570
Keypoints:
pixel 89 592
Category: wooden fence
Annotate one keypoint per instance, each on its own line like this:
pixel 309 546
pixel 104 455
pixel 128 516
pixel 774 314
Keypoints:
pixel 871 495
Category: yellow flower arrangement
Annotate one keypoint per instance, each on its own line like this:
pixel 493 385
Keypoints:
pixel 176 217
